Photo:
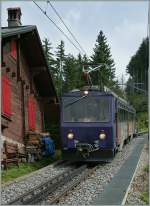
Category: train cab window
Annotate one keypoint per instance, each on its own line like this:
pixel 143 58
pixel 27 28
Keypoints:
pixel 90 109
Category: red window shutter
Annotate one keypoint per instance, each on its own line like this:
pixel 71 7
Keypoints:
pixel 13 49
pixel 31 113
pixel 6 96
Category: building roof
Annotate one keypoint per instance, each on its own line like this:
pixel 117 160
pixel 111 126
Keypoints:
pixel 32 47
pixel 14 8
pixel 11 31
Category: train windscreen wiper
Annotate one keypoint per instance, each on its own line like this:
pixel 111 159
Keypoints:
pixel 75 101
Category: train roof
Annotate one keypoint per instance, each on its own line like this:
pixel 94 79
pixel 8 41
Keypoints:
pixel 122 102
pixel 106 91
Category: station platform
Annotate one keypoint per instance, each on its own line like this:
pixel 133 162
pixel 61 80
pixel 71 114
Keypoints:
pixel 115 192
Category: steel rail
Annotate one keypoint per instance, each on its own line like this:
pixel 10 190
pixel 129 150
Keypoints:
pixel 55 198
pixel 37 194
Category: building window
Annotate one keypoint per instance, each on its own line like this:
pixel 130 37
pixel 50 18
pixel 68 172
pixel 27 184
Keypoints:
pixel 13 48
pixel 6 96
pixel 31 113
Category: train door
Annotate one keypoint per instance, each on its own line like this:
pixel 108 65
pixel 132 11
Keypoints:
pixel 118 124
pixel 121 127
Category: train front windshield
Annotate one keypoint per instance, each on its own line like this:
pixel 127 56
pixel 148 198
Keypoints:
pixel 87 109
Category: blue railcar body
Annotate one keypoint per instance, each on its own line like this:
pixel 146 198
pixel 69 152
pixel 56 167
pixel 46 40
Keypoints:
pixel 86 144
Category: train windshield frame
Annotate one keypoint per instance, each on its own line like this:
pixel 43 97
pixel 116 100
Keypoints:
pixel 85 110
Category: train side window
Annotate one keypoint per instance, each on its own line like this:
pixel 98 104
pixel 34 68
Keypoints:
pixel 122 115
pixel 125 112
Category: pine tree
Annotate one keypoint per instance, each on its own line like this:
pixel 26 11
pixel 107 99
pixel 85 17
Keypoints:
pixel 60 57
pixel 103 55
pixel 138 67
pixel 49 57
pixel 81 61
pixel 70 73
pixel 138 71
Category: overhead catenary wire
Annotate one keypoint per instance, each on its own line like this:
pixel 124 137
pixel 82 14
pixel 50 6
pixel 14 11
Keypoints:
pixel 73 36
pixel 58 27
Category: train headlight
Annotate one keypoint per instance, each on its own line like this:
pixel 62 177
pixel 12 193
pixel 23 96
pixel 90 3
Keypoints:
pixel 86 92
pixel 102 135
pixel 70 135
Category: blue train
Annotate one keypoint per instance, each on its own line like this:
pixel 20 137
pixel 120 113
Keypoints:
pixel 94 124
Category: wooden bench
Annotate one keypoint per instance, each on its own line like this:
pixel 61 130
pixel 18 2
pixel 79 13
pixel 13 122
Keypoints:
pixel 11 154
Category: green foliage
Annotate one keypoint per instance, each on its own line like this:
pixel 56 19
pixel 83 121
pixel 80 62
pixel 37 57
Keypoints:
pixel 49 57
pixel 25 168
pixel 73 72
pixel 145 197
pixel 102 54
pixel 139 101
pixel 66 70
pixel 70 72
pixel 146 169
pixel 142 121
pixel 138 69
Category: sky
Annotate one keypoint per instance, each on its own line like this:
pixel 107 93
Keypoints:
pixel 123 23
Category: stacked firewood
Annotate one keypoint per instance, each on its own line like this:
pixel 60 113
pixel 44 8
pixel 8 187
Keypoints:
pixel 33 146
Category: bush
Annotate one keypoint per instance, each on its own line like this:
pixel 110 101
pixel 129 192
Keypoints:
pixel 145 197
pixel 142 121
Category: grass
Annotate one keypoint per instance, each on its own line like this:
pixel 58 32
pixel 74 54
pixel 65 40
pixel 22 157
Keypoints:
pixel 146 169
pixel 142 121
pixel 145 194
pixel 145 197
pixel 25 168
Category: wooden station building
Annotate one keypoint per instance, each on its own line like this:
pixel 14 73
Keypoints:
pixel 28 94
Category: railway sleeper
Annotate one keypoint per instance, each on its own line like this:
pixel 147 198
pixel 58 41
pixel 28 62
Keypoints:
pixel 37 194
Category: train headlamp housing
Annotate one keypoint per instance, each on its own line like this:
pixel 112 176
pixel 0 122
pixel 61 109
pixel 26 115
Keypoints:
pixel 102 135
pixel 70 135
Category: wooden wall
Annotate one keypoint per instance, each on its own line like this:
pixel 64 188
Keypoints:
pixel 18 126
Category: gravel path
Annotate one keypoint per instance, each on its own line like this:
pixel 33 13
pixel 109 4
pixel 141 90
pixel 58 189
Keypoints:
pixel 11 191
pixel 86 192
pixel 140 181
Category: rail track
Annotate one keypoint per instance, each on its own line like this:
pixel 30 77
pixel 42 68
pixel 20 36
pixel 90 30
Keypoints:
pixel 42 191
pixel 68 188
pixel 51 191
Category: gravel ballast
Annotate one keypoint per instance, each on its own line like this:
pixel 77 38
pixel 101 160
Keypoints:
pixel 86 192
pixel 17 188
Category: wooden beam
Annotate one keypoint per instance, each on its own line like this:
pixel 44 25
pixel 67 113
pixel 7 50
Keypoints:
pixel 23 112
